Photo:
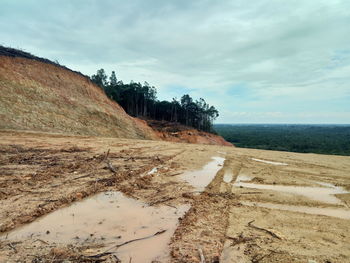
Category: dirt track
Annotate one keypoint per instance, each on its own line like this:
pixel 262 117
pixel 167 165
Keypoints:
pixel 40 173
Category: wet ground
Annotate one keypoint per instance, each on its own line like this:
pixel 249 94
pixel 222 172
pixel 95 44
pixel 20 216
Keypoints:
pixel 91 199
pixel 109 218
pixel 200 178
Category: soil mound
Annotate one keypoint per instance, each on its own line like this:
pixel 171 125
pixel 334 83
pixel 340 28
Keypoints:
pixel 175 132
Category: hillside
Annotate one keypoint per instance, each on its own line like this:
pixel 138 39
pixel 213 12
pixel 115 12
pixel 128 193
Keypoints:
pixel 42 96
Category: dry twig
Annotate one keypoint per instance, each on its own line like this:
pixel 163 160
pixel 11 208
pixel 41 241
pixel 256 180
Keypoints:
pixel 263 229
pixel 107 252
pixel 200 251
pixel 162 200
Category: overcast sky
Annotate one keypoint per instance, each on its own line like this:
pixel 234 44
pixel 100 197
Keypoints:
pixel 273 61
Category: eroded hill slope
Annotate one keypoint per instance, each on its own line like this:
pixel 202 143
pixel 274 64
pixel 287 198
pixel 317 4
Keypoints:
pixel 41 96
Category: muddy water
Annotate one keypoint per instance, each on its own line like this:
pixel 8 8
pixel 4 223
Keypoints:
pixel 243 178
pixel 333 212
pixel 322 194
pixel 228 176
pixel 199 179
pixel 268 162
pixel 109 218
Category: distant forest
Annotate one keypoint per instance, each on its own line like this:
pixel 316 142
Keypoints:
pixel 324 139
pixel 141 101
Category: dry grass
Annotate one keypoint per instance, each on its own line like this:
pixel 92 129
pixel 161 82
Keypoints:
pixel 46 97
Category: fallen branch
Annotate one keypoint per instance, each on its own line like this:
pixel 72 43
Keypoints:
pixel 107 252
pixel 200 251
pixel 239 240
pixel 162 200
pixel 79 177
pixel 174 174
pixel 110 167
pixel 106 156
pixel 45 200
pixel 263 229
pixel 12 246
pixel 42 241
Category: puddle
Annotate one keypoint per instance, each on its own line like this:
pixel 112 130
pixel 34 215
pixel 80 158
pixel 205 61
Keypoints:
pixel 321 194
pixel 243 178
pixel 109 218
pixel 326 184
pixel 333 212
pixel 199 179
pixel 268 162
pixel 228 176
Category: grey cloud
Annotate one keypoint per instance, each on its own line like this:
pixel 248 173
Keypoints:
pixel 274 47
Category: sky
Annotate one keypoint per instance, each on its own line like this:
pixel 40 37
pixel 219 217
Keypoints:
pixel 262 61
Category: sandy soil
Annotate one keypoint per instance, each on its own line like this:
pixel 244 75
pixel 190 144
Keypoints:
pixel 40 173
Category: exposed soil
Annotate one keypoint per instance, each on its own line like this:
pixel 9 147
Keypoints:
pixel 41 96
pixel 41 173
pixel 175 132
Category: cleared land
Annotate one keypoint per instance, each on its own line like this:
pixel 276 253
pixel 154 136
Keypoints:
pixel 41 173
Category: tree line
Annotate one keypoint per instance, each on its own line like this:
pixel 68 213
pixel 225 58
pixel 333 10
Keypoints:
pixel 304 138
pixel 141 101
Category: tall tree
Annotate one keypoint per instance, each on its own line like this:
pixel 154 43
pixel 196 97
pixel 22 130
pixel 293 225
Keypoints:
pixel 141 101
pixel 100 79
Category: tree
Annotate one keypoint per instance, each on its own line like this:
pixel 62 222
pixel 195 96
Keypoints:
pixel 112 89
pixel 113 80
pixel 141 101
pixel 100 79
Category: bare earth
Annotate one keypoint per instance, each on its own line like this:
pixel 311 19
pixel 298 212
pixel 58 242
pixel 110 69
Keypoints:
pixel 243 215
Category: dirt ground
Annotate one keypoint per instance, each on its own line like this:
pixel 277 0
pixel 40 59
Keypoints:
pixel 41 172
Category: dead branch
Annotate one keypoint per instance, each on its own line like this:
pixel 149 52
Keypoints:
pixel 110 167
pixel 12 247
pixel 79 177
pixel 107 252
pixel 238 240
pixel 174 174
pixel 42 241
pixel 106 156
pixel 137 239
pixel 45 200
pixel 200 251
pixel 263 229
pixel 162 200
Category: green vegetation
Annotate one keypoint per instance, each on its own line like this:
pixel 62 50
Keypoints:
pixel 141 101
pixel 324 139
